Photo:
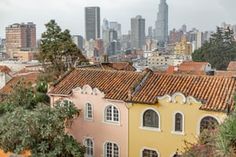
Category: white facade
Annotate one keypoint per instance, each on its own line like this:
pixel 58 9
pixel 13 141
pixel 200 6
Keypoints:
pixel 157 61
pixel 4 78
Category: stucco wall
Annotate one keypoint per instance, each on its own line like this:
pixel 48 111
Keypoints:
pixel 164 141
pixel 96 129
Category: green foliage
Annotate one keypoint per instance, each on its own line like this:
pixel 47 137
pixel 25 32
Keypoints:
pixel 40 131
pixel 28 123
pixel 21 96
pixel 227 136
pixel 219 51
pixel 58 49
pixel 25 96
pixel 204 147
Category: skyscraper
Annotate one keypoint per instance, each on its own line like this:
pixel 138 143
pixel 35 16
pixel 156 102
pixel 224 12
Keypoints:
pixel 137 32
pixel 79 41
pixel 92 23
pixel 162 22
pixel 117 27
pixel 20 36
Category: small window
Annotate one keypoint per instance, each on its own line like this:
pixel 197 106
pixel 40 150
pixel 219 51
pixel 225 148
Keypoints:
pixel 149 153
pixel 151 119
pixel 178 122
pixel 111 150
pixel 112 114
pixel 208 123
pixel 88 111
pixel 89 152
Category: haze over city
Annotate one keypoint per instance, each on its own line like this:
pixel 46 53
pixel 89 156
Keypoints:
pixel 202 14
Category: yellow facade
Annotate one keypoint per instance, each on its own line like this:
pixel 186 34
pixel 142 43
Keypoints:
pixel 165 141
pixel 183 47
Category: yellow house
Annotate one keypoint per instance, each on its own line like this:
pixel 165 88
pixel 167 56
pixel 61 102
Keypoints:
pixel 172 109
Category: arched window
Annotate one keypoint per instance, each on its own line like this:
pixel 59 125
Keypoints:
pixel 151 119
pixel 89 152
pixel 88 111
pixel 178 122
pixel 209 123
pixel 149 153
pixel 111 150
pixel 112 114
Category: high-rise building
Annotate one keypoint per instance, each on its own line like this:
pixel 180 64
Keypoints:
pixel 125 42
pixel 162 22
pixel 137 32
pixel 150 32
pixel 92 23
pixel 20 37
pixel 184 28
pixel 2 48
pixel 117 27
pixel 113 35
pixel 175 36
pixel 78 40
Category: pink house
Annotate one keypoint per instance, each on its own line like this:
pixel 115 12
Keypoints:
pixel 102 96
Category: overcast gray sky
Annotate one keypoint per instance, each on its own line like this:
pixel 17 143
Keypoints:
pixel 202 14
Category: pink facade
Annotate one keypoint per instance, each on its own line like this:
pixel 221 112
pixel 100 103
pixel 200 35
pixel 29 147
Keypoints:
pixel 98 128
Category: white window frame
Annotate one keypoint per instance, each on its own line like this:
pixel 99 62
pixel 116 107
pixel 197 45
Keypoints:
pixel 173 124
pixel 148 148
pixel 112 115
pixel 105 148
pixel 89 138
pixel 151 128
pixel 86 111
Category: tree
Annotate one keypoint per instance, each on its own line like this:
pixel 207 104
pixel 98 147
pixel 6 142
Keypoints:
pixel 204 147
pixel 29 124
pixel 57 50
pixel 25 96
pixel 227 136
pixel 40 131
pixel 219 51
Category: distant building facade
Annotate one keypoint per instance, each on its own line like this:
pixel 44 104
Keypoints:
pixel 20 36
pixel 183 47
pixel 92 23
pixel 79 41
pixel 137 32
pixel 162 22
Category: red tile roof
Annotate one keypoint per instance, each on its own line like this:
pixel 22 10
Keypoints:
pixel 119 66
pixel 123 66
pixel 226 73
pixel 114 84
pixel 5 69
pixel 193 67
pixel 214 92
pixel 232 66
pixel 28 78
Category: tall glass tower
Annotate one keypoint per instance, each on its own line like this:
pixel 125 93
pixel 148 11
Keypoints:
pixel 162 22
pixel 92 23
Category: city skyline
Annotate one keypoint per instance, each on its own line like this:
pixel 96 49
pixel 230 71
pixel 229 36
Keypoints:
pixel 70 14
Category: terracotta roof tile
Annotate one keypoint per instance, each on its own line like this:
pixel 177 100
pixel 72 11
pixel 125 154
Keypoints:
pixel 115 84
pixel 122 66
pixel 226 73
pixel 5 69
pixel 193 67
pixel 214 92
pixel 232 66
pixel 28 78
